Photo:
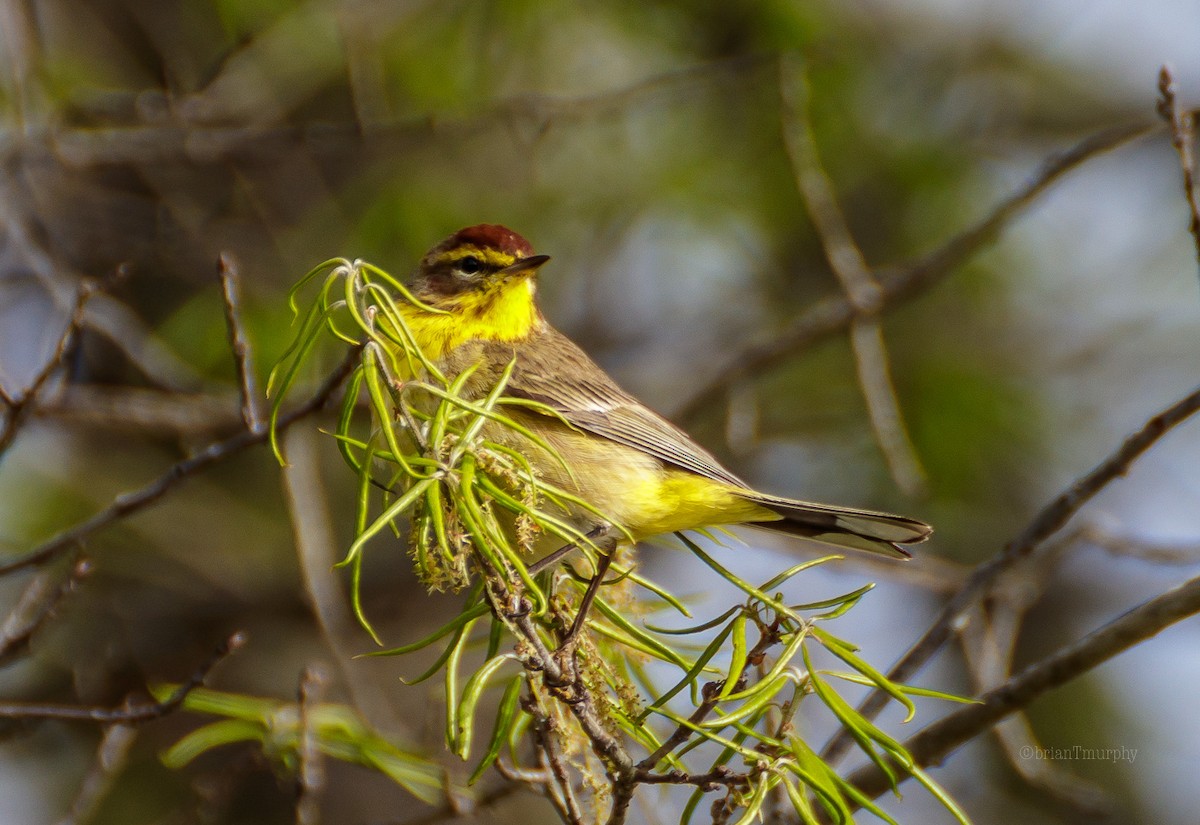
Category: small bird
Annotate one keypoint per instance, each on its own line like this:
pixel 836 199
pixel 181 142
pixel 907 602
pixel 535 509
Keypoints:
pixel 628 461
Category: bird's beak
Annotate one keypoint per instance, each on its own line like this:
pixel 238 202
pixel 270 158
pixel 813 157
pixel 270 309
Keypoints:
pixel 525 266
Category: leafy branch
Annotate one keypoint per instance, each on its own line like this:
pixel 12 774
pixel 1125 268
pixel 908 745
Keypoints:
pixel 446 462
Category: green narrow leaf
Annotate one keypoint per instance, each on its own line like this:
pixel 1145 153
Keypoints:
pixel 506 717
pixel 737 661
pixel 692 674
pixel 225 732
pixel 842 650
pixel 470 698
pixel 451 682
pixel 744 586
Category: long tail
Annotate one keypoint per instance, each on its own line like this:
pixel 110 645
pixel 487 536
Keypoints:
pixel 843 526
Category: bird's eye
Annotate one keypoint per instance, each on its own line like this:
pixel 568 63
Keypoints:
pixel 470 265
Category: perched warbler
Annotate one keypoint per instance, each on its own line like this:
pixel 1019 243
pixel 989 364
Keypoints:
pixel 626 460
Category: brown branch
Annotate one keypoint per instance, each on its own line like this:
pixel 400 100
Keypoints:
pixel 227 271
pixel 129 713
pixel 1047 522
pixel 20 405
pixel 833 315
pixel 132 502
pixel 310 775
pixel 1143 622
pixel 142 409
pixel 111 756
pixel 859 284
pixel 1183 138
pixel 36 604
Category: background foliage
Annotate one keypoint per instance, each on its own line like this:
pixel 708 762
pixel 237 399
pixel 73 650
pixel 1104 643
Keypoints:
pixel 643 146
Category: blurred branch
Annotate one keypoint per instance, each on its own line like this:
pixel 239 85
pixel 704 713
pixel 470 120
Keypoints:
pixel 898 285
pixel 128 713
pixel 185 139
pixel 19 405
pixel 316 550
pixel 111 756
pixel 860 286
pixel 132 502
pixel 1135 548
pixel 1183 138
pixel 988 643
pixel 310 775
pixel 935 742
pixel 227 271
pixel 36 604
pixel 1047 522
pixel 142 409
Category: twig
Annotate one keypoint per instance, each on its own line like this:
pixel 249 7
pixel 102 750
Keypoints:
pixel 316 553
pixel 988 646
pixel 860 286
pixel 20 405
pixel 142 409
pixel 227 271
pixel 1134 548
pixel 111 756
pixel 36 604
pixel 1183 138
pixel 310 776
pixel 835 314
pixel 1047 522
pixel 129 713
pixel 935 742
pixel 564 800
pixel 132 502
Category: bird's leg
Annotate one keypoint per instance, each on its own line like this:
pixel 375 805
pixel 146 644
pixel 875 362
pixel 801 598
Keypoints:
pixel 596 535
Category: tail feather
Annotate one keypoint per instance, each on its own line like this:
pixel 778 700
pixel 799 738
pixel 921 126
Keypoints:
pixel 868 530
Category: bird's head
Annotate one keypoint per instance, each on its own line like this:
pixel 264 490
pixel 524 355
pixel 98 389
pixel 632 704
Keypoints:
pixel 485 260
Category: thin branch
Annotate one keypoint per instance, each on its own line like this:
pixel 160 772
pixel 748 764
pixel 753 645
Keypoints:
pixel 37 603
pixel 1143 622
pixel 833 315
pixel 20 405
pixel 1183 138
pixel 111 756
pixel 310 774
pixel 565 800
pixel 132 502
pixel 227 271
pixel 129 713
pixel 1181 554
pixel 317 555
pixel 142 409
pixel 988 646
pixel 1047 522
pixel 859 284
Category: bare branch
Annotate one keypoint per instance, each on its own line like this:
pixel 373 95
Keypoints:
pixel 129 713
pixel 142 409
pixel 898 285
pixel 21 404
pixel 310 776
pixel 862 290
pixel 37 603
pixel 1047 522
pixel 243 358
pixel 1183 138
pixel 111 756
pixel 317 553
pixel 933 743
pixel 128 503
